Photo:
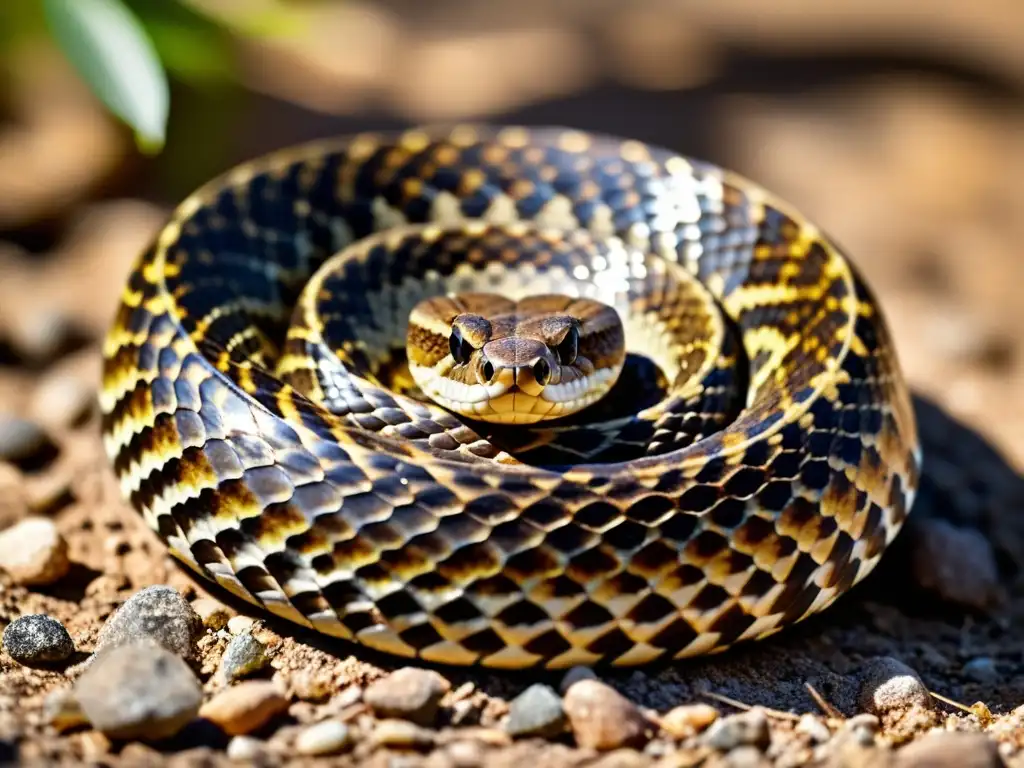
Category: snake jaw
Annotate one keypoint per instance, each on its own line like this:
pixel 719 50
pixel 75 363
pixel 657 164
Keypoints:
pixel 514 395
pixel 576 394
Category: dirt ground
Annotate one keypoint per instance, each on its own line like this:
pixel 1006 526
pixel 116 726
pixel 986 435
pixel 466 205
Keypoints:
pixel 910 153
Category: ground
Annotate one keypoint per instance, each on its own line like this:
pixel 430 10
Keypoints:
pixel 914 169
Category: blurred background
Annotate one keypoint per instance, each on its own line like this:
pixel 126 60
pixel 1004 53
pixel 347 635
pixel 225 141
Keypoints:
pixel 897 126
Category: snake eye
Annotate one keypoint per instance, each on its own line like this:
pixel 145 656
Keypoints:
pixel 568 348
pixel 459 347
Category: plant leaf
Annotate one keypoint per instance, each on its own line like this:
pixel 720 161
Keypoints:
pixel 195 54
pixel 112 52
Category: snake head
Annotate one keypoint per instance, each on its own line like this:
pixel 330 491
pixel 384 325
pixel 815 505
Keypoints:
pixel 507 362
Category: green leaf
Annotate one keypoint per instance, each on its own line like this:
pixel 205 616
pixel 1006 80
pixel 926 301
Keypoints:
pixel 267 20
pixel 111 51
pixel 192 47
pixel 195 54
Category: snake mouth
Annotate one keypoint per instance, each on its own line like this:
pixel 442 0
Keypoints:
pixel 512 397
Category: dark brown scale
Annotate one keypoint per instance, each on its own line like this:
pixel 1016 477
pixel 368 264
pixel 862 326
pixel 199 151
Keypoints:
pixel 588 614
pixel 733 622
pixel 651 609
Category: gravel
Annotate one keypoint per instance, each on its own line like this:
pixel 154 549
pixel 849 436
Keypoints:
pixel 688 719
pixel 814 729
pixel 243 656
pixel 23 442
pixel 159 613
pixel 33 552
pixel 245 707
pixel 574 675
pixel 245 749
pixel 138 690
pixel 888 685
pixel 238 624
pixel 861 729
pixel 602 718
pixel 957 564
pixel 409 694
pixel 325 738
pixel 401 734
pixel 950 750
pixel 747 729
pixel 37 640
pixel 537 711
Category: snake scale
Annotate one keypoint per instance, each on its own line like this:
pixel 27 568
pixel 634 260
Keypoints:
pixel 270 433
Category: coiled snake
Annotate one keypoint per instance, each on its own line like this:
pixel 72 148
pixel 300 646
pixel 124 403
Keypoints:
pixel 749 464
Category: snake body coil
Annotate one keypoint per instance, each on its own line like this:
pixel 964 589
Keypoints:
pixel 300 475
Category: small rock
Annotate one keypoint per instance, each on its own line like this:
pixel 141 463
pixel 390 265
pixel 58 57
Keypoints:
pixel 888 685
pixel 317 685
pixel 33 552
pixel 401 734
pixel 574 675
pixel 957 564
pixel 814 729
pixel 409 693
pixel 982 669
pixel 245 707
pixel 688 720
pixel 537 711
pixel 346 698
pixel 245 749
pixel 37 639
pixel 464 712
pixel 861 729
pixel 213 615
pixel 465 754
pixel 239 624
pixel 658 748
pixel 325 738
pixel 95 746
pixel 950 749
pixel 24 443
pixel 157 612
pixel 138 690
pixel 746 756
pixel 602 718
pixel 747 729
pixel 62 711
pixel 40 335
pixel 243 656
pixel 61 400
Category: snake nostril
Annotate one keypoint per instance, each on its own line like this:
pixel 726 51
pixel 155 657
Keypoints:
pixel 488 371
pixel 542 371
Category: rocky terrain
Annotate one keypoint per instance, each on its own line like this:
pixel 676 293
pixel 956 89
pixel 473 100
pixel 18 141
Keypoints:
pixel 114 656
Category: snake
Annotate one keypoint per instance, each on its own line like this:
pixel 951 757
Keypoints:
pixel 508 397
